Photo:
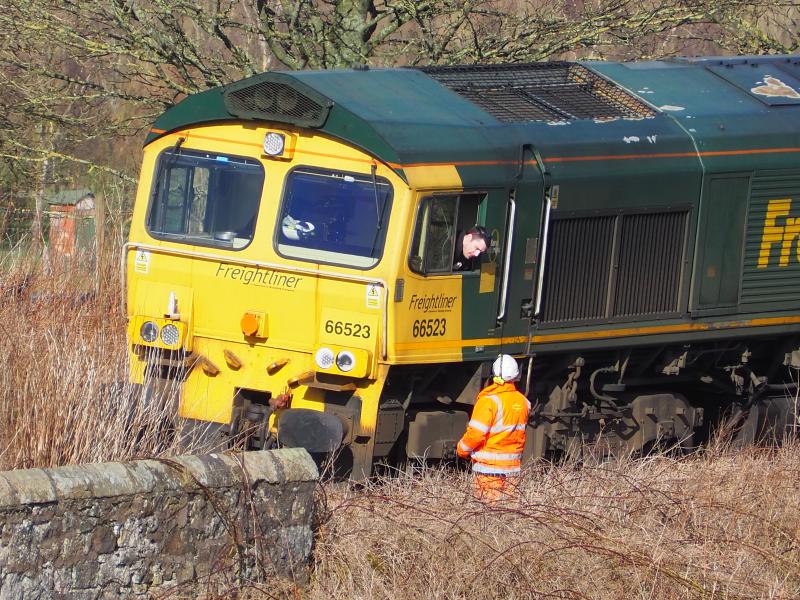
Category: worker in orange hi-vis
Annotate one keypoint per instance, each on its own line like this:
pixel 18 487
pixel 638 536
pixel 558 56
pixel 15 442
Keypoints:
pixel 495 436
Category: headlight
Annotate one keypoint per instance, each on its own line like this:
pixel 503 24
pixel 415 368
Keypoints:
pixel 274 143
pixel 324 358
pixel 170 335
pixel 149 331
pixel 345 360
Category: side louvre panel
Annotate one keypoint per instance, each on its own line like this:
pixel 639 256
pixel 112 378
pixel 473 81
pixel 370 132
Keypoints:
pixel 650 259
pixel 615 267
pixel 578 269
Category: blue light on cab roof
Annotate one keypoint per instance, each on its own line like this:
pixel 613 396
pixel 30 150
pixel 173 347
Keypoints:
pixel 222 158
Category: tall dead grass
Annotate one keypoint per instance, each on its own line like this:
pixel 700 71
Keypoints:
pixel 716 525
pixel 719 524
pixel 62 393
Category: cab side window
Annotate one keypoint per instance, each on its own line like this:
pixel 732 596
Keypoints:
pixel 441 219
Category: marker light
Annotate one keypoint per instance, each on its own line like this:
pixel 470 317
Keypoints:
pixel 249 324
pixel 274 143
pixel 345 360
pixel 324 358
pixel 170 335
pixel 149 331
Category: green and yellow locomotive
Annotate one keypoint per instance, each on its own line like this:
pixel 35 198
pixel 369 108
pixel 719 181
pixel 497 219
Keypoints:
pixel 290 263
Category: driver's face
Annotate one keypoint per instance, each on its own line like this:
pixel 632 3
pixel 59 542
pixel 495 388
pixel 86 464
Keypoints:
pixel 473 246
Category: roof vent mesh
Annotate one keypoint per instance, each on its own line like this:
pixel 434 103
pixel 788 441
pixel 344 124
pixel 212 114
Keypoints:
pixel 274 101
pixel 552 91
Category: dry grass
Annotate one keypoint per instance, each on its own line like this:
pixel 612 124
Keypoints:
pixel 717 525
pixel 62 399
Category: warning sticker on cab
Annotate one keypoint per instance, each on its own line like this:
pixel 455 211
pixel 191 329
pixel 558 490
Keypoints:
pixel 141 262
pixel 373 296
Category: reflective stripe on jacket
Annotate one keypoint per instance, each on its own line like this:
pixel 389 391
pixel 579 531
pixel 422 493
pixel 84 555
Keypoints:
pixel 495 436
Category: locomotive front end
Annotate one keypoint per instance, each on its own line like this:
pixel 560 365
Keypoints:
pixel 237 233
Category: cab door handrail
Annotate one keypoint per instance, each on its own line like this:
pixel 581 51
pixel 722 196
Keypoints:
pixel 507 262
pixel 543 256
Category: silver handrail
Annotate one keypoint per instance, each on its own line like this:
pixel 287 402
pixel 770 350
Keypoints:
pixel 507 262
pixel 540 282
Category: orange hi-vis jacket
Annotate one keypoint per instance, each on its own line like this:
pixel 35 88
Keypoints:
pixel 495 436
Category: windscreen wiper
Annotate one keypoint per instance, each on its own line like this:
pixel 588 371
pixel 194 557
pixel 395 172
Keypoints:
pixel 379 212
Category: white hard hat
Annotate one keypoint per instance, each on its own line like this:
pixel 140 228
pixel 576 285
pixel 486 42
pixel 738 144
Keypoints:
pixel 506 368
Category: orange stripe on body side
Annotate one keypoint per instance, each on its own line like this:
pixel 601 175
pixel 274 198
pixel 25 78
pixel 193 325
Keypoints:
pixel 547 160
pixel 558 159
pixel 601 157
pixel 602 334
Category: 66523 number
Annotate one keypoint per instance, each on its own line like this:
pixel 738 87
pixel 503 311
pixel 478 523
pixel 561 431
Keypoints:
pixel 348 329
pixel 429 327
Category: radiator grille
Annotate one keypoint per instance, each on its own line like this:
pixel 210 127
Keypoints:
pixel 552 91
pixel 614 267
pixel 274 101
pixel 650 255
pixel 577 269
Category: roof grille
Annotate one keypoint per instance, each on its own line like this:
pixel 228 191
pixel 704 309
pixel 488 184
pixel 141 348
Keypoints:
pixel 552 91
pixel 274 101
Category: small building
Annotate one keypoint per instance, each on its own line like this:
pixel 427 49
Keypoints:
pixel 72 224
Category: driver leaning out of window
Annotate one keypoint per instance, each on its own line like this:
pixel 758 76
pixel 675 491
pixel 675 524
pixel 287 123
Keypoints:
pixel 469 246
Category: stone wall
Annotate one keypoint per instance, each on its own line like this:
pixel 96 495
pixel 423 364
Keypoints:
pixel 155 527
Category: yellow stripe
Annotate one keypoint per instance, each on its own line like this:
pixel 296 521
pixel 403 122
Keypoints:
pixel 601 334
pixel 192 135
pixel 460 343
pixel 656 329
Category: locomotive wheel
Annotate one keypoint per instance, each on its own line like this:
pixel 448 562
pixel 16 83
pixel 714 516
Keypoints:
pixel 769 421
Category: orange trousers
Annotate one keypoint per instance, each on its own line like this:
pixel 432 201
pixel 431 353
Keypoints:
pixel 494 487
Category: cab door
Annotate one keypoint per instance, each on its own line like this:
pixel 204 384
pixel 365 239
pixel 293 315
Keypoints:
pixel 482 321
pixel 518 290
pixel 448 314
